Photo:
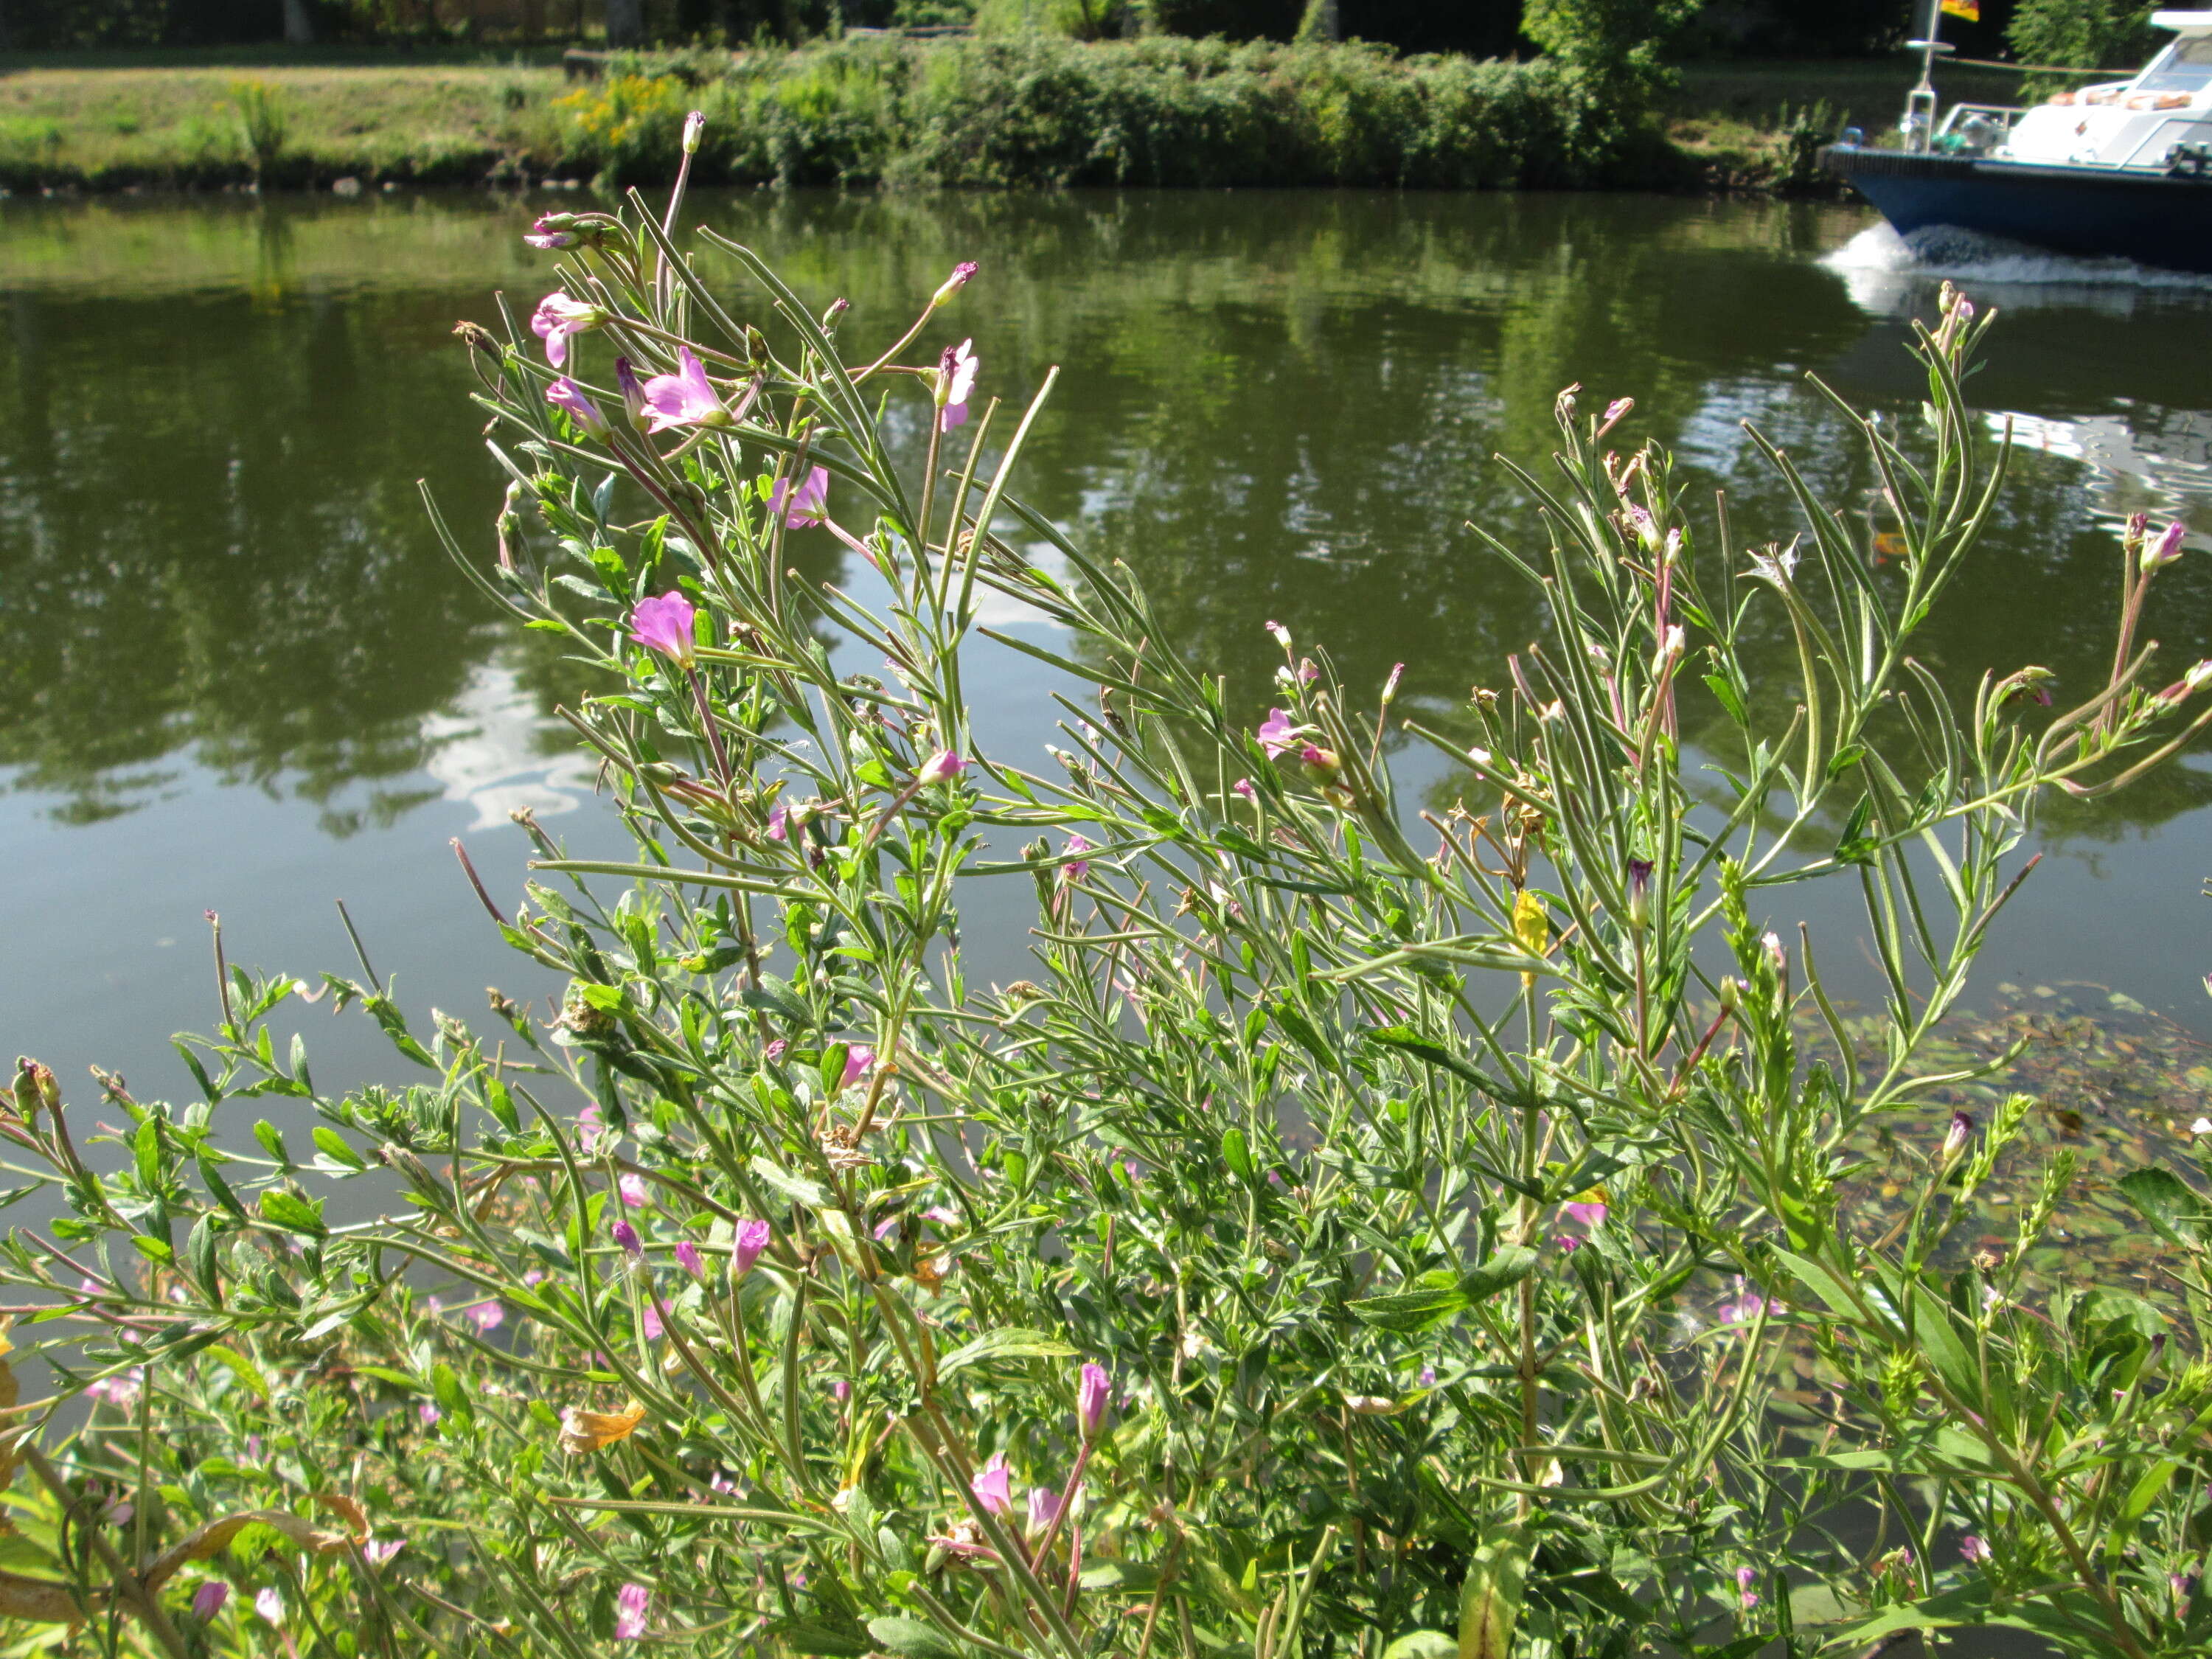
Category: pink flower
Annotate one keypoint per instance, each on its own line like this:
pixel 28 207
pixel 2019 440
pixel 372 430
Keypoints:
pixel 841 1390
pixel 565 393
pixel 1044 1508
pixel 485 1315
pixel 955 379
pixel 990 1487
pixel 427 1415
pixel 773 1052
pixel 779 823
pixel 1589 1215
pixel 687 1257
pixel 685 398
pixel 1276 733
pixel 858 1060
pixel 942 766
pixel 1243 786
pixel 1745 1578
pixel 750 1240
pixel 809 504
pixel 632 1189
pixel 270 1604
pixel 1077 869
pixel 654 1330
pixel 664 625
pixel 1748 1306
pixel 1092 1390
pixel 1975 1548
pixel 120 1391
pixel 208 1599
pixel 953 284
pixel 630 1602
pixel 381 1550
pixel 591 1129
pixel 1567 1242
pixel 556 318
pixel 626 1235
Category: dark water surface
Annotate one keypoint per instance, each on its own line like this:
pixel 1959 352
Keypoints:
pixel 240 675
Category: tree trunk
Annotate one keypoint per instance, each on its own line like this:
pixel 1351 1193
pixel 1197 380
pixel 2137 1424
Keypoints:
pixel 625 22
pixel 299 23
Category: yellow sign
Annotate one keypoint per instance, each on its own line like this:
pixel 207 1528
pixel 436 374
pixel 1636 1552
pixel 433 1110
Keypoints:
pixel 1969 9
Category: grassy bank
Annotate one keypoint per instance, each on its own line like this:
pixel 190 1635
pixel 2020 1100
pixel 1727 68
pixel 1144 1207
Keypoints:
pixel 957 114
pixel 859 112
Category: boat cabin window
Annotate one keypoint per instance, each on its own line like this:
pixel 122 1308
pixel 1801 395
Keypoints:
pixel 2184 66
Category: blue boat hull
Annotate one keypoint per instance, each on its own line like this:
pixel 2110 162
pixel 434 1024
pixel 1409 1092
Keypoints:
pixel 2154 219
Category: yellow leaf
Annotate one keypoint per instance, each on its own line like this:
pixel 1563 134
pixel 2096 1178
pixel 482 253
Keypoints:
pixel 583 1431
pixel 1532 926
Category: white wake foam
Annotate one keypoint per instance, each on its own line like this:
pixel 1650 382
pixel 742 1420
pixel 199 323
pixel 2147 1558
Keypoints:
pixel 1937 251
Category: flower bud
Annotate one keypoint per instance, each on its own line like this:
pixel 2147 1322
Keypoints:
pixel 35 1087
pixel 1731 993
pixel 942 766
pixel 750 1240
pixel 1639 892
pixel 633 394
pixel 1957 1138
pixel 2166 549
pixel 1091 1394
pixel 694 124
pixel 1321 765
pixel 953 284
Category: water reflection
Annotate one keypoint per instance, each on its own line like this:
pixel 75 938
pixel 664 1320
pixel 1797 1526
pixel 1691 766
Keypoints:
pixel 212 418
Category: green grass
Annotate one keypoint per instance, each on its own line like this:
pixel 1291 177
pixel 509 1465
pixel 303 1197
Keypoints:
pixel 117 127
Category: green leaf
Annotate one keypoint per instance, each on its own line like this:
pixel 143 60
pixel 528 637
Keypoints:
pixel 272 1142
pixel 247 1373
pixel 1236 1154
pixel 1825 1285
pixel 1490 1601
pixel 910 1638
pixel 798 1188
pixel 2176 1211
pixel 293 1213
pixel 446 1389
pixel 1507 1266
pixel 334 1145
pixel 819 1636
pixel 1727 698
pixel 1423 1644
pixel 1410 1310
pixel 200 1257
pixel 1011 1343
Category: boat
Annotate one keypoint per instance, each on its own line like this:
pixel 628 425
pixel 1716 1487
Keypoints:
pixel 2122 169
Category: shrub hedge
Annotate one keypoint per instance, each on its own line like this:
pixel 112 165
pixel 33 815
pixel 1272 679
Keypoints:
pixel 1035 111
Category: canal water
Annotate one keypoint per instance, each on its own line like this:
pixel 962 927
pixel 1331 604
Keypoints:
pixel 239 675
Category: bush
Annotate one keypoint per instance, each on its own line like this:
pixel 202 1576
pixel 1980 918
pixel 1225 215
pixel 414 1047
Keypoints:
pixel 1032 109
pixel 2084 33
pixel 1337 1244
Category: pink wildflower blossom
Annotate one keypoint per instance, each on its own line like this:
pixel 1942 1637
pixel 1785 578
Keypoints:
pixel 809 504
pixel 685 398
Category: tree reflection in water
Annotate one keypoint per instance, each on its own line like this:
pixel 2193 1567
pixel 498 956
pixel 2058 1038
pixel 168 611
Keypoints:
pixel 212 552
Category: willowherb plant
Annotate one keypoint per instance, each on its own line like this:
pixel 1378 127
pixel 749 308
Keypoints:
pixel 1345 1243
